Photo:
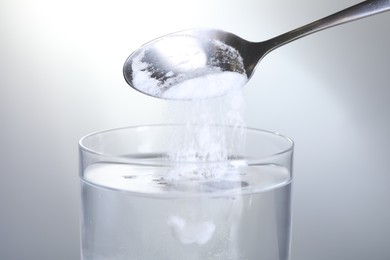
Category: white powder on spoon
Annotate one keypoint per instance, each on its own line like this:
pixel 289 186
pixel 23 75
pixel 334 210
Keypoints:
pixel 194 75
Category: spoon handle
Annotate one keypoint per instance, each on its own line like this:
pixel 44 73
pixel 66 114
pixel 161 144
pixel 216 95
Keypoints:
pixel 358 11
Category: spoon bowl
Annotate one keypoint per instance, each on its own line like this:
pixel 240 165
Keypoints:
pixel 204 63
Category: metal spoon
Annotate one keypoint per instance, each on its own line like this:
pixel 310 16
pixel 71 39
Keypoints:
pixel 158 67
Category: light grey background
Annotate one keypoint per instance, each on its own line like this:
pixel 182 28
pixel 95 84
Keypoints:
pixel 61 78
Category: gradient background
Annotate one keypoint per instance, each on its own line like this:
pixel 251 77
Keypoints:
pixel 61 78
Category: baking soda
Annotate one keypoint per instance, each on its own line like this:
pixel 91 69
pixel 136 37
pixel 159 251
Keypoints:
pixel 184 71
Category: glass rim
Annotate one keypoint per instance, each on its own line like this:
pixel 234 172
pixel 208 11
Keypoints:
pixel 137 161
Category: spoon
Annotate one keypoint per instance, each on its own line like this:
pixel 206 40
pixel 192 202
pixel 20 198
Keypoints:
pixel 204 63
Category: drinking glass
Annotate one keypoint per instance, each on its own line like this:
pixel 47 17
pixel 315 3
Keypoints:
pixel 140 203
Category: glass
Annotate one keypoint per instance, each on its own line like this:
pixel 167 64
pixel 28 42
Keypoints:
pixel 132 210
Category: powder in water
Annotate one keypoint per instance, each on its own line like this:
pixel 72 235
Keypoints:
pixel 189 233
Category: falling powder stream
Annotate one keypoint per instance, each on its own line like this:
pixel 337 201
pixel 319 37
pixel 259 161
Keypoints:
pixel 209 147
pixel 205 139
